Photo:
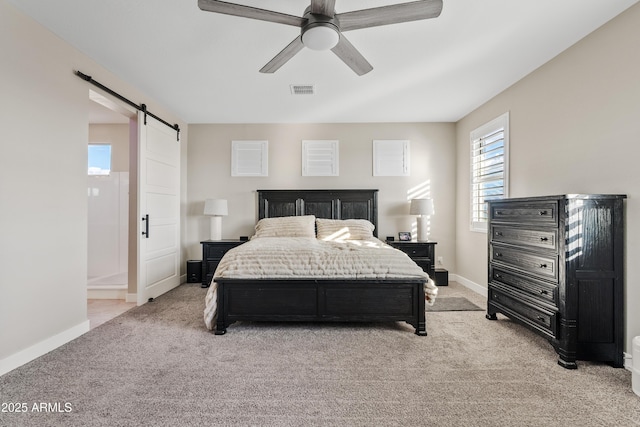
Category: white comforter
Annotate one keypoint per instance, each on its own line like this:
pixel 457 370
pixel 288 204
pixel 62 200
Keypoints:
pixel 303 257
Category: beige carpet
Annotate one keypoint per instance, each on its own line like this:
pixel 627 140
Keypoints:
pixel 156 365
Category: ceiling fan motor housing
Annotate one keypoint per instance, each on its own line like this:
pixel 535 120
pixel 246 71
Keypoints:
pixel 320 32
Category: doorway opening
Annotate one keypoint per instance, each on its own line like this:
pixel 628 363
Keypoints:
pixel 108 234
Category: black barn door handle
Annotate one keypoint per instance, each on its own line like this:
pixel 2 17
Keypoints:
pixel 146 226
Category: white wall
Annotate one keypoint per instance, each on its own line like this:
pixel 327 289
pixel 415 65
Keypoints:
pixel 575 128
pixel 43 186
pixel 432 149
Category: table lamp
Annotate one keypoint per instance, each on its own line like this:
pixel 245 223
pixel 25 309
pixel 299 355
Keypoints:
pixel 216 208
pixel 423 208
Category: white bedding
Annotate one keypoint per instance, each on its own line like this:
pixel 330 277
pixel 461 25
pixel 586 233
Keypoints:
pixel 307 257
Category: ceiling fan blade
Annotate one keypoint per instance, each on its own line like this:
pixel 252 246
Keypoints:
pixel 249 12
pixel 350 56
pixel 392 14
pixel 323 7
pixel 285 54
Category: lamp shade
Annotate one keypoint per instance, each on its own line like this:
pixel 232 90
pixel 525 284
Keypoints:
pixel 215 207
pixel 421 207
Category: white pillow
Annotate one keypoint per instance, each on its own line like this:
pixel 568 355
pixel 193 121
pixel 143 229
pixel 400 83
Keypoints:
pixel 286 226
pixel 344 229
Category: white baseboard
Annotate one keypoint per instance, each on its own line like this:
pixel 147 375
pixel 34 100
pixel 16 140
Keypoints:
pixel 43 347
pixel 479 289
pixel 131 297
pixel 628 361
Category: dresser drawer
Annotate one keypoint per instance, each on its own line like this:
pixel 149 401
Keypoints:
pixel 545 212
pixel 546 239
pixel 514 306
pixel 545 293
pixel 544 266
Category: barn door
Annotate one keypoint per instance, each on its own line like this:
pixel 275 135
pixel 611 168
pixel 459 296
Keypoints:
pixel 158 208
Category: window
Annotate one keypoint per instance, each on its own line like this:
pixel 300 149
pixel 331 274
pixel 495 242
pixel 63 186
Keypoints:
pixel 99 159
pixel 489 168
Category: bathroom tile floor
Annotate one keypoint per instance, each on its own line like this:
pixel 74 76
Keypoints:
pixel 103 310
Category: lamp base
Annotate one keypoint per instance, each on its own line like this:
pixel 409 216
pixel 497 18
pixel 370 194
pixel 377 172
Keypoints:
pixel 216 228
pixel 423 228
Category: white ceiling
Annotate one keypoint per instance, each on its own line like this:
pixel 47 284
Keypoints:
pixel 204 66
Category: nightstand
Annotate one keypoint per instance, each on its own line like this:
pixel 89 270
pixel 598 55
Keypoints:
pixel 212 253
pixel 422 253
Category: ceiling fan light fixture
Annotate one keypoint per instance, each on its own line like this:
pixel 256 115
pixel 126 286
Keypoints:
pixel 321 27
pixel 321 37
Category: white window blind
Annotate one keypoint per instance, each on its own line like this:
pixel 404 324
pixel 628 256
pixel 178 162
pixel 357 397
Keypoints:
pixel 249 158
pixel 489 161
pixel 390 158
pixel 320 158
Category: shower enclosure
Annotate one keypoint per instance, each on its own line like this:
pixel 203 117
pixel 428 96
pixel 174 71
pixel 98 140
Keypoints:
pixel 108 234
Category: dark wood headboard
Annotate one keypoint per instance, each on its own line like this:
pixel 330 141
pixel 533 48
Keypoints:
pixel 332 204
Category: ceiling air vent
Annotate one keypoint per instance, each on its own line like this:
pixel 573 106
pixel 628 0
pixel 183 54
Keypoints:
pixel 302 90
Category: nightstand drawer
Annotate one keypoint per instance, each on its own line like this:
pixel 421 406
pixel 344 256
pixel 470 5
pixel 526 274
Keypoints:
pixel 426 265
pixel 546 293
pixel 546 239
pixel 415 250
pixel 422 253
pixel 544 266
pixel 211 266
pixel 217 251
pixel 531 213
pixel 212 253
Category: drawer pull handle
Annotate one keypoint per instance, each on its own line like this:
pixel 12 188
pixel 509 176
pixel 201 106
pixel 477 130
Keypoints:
pixel 498 276
pixel 498 254
pixel 540 318
pixel 499 213
pixel 542 213
pixel 498 233
pixel 543 265
pixel 543 292
pixel 544 239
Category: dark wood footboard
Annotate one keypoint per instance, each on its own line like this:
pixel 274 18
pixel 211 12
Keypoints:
pixel 326 300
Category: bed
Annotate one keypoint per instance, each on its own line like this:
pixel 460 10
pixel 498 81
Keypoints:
pixel 262 280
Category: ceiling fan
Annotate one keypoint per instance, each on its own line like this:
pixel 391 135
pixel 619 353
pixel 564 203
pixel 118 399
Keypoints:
pixel 321 27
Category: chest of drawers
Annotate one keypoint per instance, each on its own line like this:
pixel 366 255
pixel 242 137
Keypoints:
pixel 556 266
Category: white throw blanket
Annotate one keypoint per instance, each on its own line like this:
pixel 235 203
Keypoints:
pixel 303 257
